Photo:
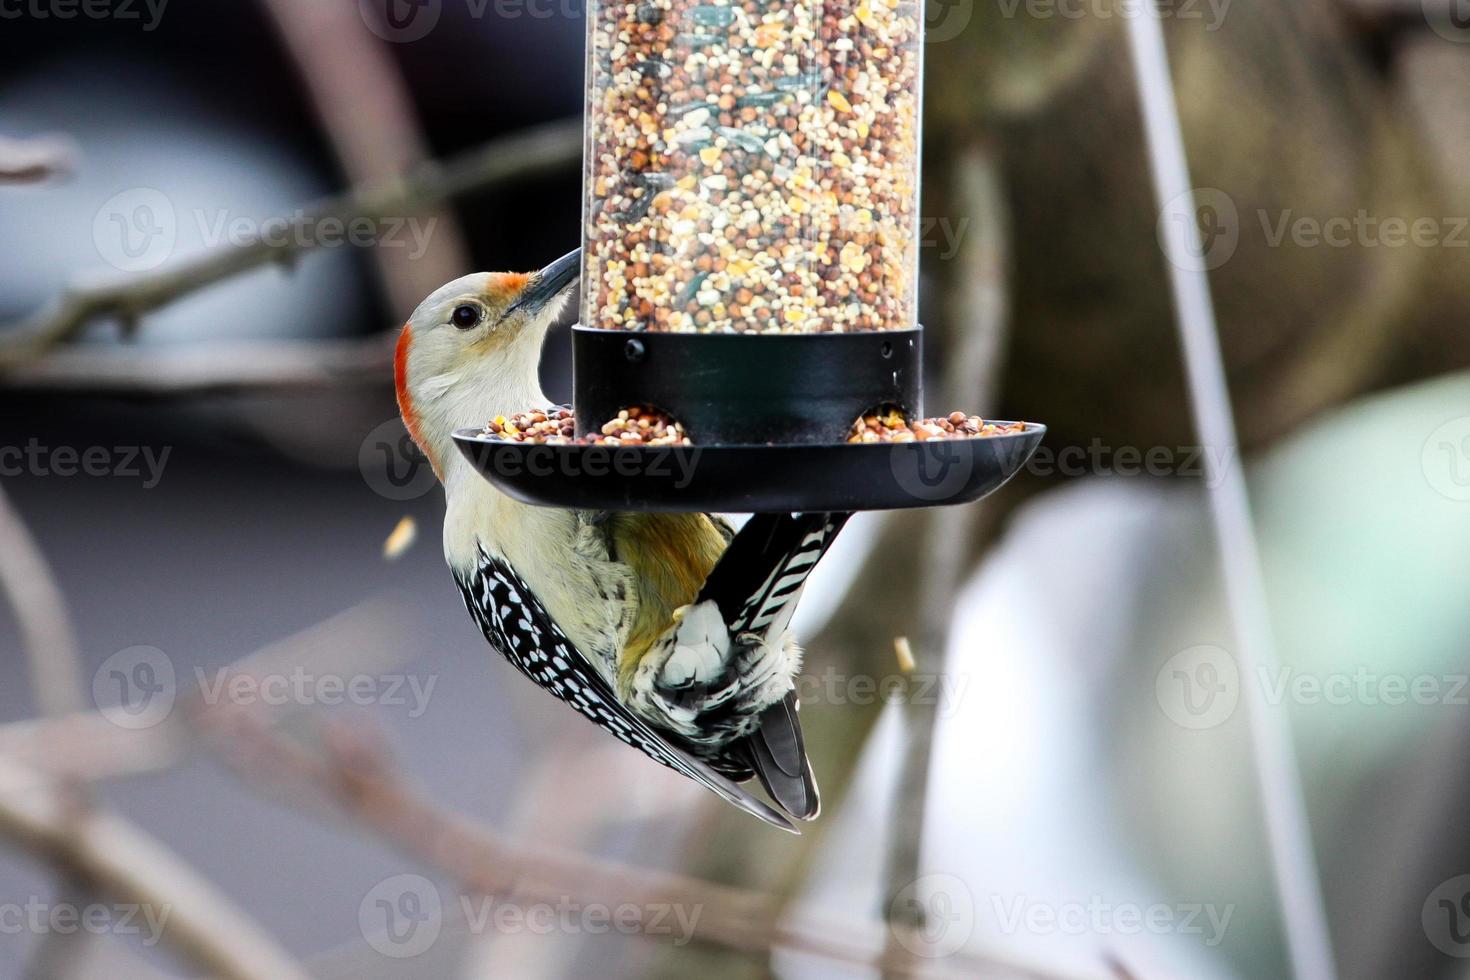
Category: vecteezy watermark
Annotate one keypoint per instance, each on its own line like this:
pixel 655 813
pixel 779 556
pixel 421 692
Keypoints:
pixel 938 469
pixel 1211 12
pixel 404 21
pixel 1445 916
pixel 1450 19
pixel 126 462
pixel 1098 917
pixel 137 688
pixel 1445 459
pixel 1200 687
pixel 1221 228
pixel 837 688
pixel 404 915
pixel 299 686
pixel 149 13
pixel 933 916
pixel 1362 230
pixel 40 917
pixel 672 465
pixel 393 465
pixel 138 229
pixel 300 229
pixel 401 916
pixel 1214 214
pixel 1207 463
pixel 941 232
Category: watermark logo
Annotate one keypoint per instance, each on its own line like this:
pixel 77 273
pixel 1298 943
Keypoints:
pixel 1206 463
pixel 135 688
pixel 1445 459
pixel 1221 228
pixel 35 458
pixel 401 916
pixel 935 469
pixel 148 12
pixel 136 230
pixel 144 922
pixel 944 909
pixel 1450 19
pixel 1211 12
pixel 1217 219
pixel 945 20
pixel 1098 917
pixel 1199 687
pixel 401 21
pixel 393 465
pixel 945 692
pixel 1445 916
pixel 302 230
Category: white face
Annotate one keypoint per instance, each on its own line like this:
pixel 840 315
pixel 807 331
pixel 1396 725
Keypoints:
pixel 471 352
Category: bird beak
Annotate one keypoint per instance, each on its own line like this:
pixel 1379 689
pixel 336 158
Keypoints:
pixel 550 283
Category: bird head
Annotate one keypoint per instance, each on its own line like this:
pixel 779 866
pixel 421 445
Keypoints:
pixel 471 350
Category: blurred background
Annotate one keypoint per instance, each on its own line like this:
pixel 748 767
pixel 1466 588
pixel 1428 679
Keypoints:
pixel 201 462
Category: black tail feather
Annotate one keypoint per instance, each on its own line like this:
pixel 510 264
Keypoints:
pixel 760 575
pixel 777 753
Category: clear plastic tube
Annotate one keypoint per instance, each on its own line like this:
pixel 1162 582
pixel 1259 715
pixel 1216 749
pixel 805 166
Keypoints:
pixel 752 166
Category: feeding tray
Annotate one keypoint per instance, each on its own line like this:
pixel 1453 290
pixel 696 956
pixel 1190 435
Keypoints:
pixel 768 415
pixel 751 479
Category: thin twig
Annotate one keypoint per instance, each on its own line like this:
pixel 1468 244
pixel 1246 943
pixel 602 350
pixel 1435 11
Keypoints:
pixel 530 153
pixel 1278 776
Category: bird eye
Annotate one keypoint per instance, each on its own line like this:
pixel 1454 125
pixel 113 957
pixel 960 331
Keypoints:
pixel 465 316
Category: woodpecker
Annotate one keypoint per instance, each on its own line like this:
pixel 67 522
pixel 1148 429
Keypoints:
pixel 671 631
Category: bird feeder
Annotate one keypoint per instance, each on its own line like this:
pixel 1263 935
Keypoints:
pixel 750 267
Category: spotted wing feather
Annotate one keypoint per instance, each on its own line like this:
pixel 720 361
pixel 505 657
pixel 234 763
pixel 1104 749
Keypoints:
pixel 517 625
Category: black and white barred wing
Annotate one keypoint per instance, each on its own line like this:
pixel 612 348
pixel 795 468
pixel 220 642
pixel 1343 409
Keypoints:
pixel 759 578
pixel 517 625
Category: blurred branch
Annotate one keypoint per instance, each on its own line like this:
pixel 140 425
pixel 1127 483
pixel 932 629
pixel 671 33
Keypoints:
pixel 96 851
pixel 30 161
pixel 86 746
pixel 50 645
pixel 361 100
pixel 503 161
pixel 356 776
pixel 40 611
pixel 215 367
pixel 122 861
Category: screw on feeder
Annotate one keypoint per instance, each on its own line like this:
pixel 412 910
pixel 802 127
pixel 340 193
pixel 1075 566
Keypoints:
pixel 633 350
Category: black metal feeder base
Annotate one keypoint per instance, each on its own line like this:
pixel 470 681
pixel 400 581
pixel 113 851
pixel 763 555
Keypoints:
pixel 768 415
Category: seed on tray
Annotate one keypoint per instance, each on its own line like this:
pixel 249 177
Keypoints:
pixel 889 425
pixel 556 426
